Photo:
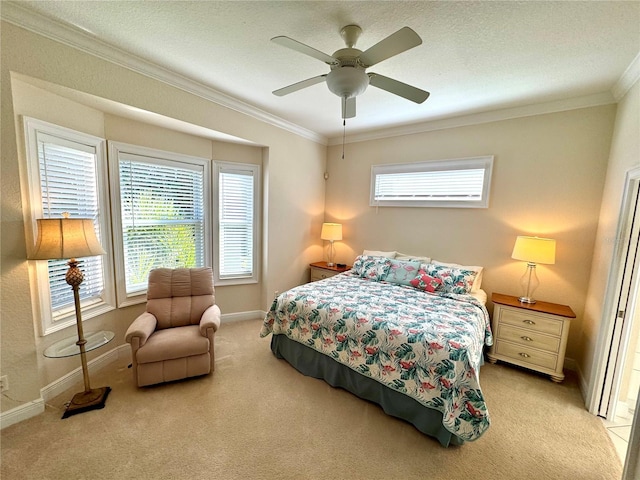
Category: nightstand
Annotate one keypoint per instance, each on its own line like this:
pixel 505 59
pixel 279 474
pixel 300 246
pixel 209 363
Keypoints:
pixel 320 270
pixel 530 335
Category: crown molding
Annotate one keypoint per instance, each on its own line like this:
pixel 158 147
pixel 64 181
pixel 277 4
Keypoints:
pixel 627 79
pixel 605 98
pixel 76 38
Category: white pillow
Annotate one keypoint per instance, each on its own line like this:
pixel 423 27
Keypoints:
pixel 405 257
pixel 476 282
pixel 377 253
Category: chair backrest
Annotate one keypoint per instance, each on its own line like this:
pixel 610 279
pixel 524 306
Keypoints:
pixel 179 296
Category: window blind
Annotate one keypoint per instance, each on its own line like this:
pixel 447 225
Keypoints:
pixel 462 185
pixel 456 183
pixel 68 183
pixel 162 212
pixel 236 217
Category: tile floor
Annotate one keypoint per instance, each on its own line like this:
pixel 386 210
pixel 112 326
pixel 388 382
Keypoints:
pixel 620 429
pixel 619 432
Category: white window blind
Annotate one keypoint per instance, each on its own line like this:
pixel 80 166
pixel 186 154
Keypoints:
pixel 162 204
pixel 451 183
pixel 236 214
pixel 236 206
pixel 68 181
pixel 66 171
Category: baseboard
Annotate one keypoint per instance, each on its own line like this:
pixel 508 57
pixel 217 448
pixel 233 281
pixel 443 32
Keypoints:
pixel 570 364
pixel 583 384
pixel 67 381
pixel 240 316
pixel 23 412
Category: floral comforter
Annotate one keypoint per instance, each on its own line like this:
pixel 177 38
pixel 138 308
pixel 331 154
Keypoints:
pixel 427 346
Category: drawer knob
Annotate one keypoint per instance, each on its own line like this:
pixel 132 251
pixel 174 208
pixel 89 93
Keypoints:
pixel 524 355
pixel 529 322
pixel 526 339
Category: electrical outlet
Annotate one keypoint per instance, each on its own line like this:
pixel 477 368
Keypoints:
pixel 4 383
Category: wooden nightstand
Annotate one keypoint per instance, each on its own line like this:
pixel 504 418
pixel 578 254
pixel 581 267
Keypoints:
pixel 531 336
pixel 320 270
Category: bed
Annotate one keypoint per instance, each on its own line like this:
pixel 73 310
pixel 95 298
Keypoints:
pixel 413 347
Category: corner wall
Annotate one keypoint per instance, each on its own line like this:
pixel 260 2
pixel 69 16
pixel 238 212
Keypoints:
pixel 624 156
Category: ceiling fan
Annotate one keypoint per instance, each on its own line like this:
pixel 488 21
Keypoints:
pixel 348 77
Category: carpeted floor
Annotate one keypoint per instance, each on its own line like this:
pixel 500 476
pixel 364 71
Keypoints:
pixel 256 417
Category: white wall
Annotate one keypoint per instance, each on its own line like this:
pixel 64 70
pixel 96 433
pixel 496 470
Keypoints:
pixel 293 210
pixel 548 177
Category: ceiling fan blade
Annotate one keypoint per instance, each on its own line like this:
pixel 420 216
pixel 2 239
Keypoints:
pixel 348 107
pixel 306 49
pixel 398 88
pixel 396 43
pixel 299 86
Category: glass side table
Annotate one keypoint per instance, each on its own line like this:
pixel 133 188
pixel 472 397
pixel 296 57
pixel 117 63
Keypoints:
pixel 68 348
pixel 91 398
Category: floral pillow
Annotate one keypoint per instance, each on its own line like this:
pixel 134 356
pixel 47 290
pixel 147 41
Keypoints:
pixel 424 281
pixel 373 268
pixel 454 280
pixel 401 272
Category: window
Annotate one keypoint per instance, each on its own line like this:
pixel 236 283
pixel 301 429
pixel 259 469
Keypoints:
pixel 67 173
pixel 462 183
pixel 161 200
pixel 236 201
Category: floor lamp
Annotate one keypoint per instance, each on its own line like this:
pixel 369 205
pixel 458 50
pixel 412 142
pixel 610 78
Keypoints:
pixel 72 238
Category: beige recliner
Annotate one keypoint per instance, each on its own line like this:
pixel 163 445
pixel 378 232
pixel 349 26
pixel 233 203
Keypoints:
pixel 173 339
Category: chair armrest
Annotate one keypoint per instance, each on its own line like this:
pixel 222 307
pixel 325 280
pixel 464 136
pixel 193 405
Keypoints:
pixel 141 328
pixel 210 319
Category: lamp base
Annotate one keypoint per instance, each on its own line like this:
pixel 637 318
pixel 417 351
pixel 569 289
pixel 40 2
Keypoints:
pixel 330 264
pixel 528 300
pixel 93 399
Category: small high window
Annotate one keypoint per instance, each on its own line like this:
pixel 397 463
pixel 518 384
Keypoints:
pixel 461 183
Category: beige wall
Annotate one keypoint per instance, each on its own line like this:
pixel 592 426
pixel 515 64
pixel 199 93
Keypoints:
pixel 548 176
pixel 624 156
pixel 293 210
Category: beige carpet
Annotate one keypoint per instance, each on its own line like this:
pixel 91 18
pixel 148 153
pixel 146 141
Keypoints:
pixel 258 418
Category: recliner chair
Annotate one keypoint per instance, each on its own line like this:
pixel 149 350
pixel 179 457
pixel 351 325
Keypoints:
pixel 173 339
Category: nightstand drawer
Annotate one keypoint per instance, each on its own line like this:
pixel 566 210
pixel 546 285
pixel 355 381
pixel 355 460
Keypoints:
pixel 320 274
pixel 528 338
pixel 526 355
pixel 531 321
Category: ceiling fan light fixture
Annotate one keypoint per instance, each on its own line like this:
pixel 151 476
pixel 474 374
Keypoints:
pixel 347 82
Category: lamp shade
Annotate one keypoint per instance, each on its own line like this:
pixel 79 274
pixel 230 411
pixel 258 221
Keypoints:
pixel 63 238
pixel 331 231
pixel 535 250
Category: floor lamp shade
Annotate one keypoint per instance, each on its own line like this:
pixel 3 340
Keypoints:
pixel 331 232
pixel 62 238
pixel 533 250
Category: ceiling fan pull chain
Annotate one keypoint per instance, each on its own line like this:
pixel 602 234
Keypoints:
pixel 344 131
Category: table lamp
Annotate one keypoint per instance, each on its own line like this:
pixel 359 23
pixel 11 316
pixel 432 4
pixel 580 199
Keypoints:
pixel 533 250
pixel 62 238
pixel 331 232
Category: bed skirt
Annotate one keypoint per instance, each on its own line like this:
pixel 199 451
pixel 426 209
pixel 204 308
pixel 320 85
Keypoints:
pixel 314 364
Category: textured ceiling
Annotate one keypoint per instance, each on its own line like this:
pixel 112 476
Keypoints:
pixel 475 57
